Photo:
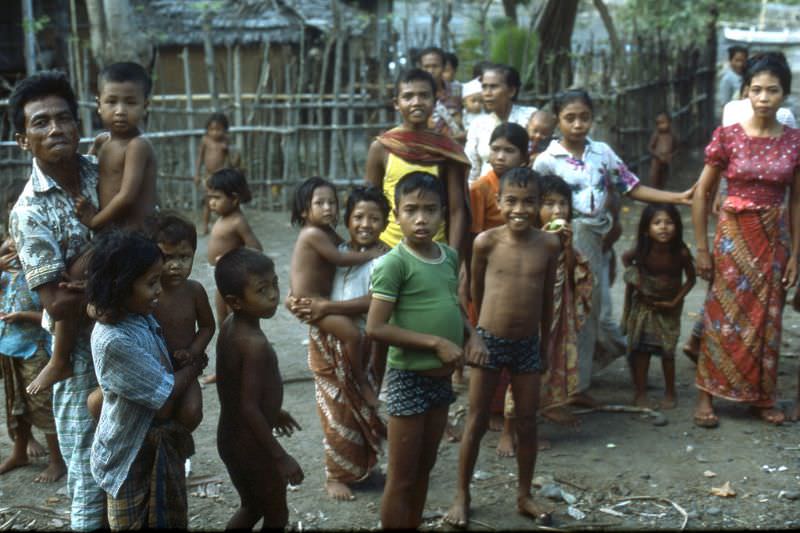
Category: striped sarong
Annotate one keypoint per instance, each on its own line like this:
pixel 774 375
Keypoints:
pixel 353 430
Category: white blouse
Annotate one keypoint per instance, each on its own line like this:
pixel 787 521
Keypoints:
pixel 480 131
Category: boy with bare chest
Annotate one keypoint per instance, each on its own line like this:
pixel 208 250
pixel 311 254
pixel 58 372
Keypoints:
pixel 216 152
pixel 514 265
pixel 251 393
pixel 127 162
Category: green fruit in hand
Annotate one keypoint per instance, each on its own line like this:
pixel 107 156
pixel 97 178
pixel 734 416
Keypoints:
pixel 555 224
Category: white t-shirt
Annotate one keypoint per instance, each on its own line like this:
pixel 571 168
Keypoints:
pixel 737 111
pixel 480 131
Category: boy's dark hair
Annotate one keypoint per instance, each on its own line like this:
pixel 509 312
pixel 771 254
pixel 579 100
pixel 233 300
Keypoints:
pixel 479 68
pixel 219 118
pixel 231 182
pixel 772 62
pixel 36 87
pixel 450 57
pixel 510 76
pixel 513 133
pixel 563 99
pixel 643 241
pixel 521 177
pixel 118 259
pixel 369 193
pixel 415 74
pixel 302 197
pixel 127 71
pixel 665 113
pixel 234 267
pixel 171 228
pixel 733 50
pixel 418 181
pixel 432 50
pixel 552 184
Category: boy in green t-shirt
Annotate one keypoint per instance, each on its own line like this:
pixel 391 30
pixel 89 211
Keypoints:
pixel 415 310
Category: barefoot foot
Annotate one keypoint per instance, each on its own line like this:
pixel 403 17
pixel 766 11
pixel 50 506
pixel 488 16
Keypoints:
pixel 13 462
pixel 496 422
pixel 507 445
pixel 668 402
pixel 339 491
pixel 53 472
pixel 539 511
pixel 35 449
pixel 561 415
pixel 51 373
pixel 458 515
pixel 641 401
pixel 584 400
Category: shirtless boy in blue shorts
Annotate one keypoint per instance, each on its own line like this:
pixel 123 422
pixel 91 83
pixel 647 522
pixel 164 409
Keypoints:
pixel 515 264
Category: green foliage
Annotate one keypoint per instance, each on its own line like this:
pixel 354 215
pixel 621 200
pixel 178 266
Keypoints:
pixel 507 45
pixel 36 24
pixel 679 19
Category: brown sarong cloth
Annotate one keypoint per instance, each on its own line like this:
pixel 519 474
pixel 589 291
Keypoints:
pixel 423 147
pixel 154 494
pixel 353 430
pixel 35 409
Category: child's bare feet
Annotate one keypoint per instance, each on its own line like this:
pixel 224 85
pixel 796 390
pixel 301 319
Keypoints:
pixel 584 400
pixel 507 445
pixel 13 461
pixel 641 400
pixel 668 402
pixel 561 415
pixel 496 422
pixel 35 449
pixel 458 515
pixel 339 491
pixel 541 512
pixel 773 415
pixel 51 373
pixel 209 379
pixel 53 472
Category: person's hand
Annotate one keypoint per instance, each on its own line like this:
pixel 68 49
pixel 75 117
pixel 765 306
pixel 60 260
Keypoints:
pixel 565 233
pixel 716 204
pixel 665 304
pixel 476 351
pixel 69 284
pixel 704 264
pixel 685 197
pixel 285 424
pixel 182 357
pixel 449 352
pixel 309 309
pixel 11 318
pixel 7 261
pixel 85 210
pixel 289 470
pixel 790 274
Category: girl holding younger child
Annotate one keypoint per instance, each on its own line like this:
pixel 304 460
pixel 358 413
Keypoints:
pixel 138 451
pixel 654 296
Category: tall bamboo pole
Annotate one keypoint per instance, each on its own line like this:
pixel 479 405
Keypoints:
pixel 28 25
pixel 187 85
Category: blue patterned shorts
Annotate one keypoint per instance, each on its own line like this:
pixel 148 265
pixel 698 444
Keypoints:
pixel 520 356
pixel 409 393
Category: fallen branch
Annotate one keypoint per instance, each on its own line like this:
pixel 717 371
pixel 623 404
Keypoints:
pixel 677 507
pixel 9 522
pixel 32 508
pixel 612 408
pixel 570 483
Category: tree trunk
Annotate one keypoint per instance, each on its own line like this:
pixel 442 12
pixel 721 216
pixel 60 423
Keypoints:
pixel 608 22
pixel 554 27
pixel 510 9
pixel 114 33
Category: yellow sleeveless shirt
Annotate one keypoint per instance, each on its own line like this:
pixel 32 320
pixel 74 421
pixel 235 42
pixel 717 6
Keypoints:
pixel 396 168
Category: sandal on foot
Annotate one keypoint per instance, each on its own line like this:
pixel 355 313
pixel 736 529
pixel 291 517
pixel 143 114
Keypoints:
pixel 708 420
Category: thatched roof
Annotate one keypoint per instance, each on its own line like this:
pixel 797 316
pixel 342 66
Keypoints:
pixel 180 22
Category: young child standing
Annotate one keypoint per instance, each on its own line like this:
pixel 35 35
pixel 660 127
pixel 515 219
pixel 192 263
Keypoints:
pixel 24 351
pixel 216 152
pixel 572 300
pixel 654 294
pixel 138 452
pixel 251 393
pixel 415 310
pixel 663 145
pixel 342 410
pixel 126 187
pixel 314 260
pixel 471 101
pixel 516 265
pixel 541 127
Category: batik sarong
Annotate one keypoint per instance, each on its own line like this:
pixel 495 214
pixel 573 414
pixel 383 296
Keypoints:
pixel 744 307
pixel 154 493
pixel 650 329
pixel 353 430
pixel 35 409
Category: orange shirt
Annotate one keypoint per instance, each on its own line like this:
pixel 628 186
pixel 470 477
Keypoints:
pixel 483 203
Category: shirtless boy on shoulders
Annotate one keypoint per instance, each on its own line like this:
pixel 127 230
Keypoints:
pixel 515 264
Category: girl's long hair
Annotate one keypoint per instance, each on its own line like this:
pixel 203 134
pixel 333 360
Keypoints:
pixel 643 241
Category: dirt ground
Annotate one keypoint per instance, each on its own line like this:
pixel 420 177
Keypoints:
pixel 620 470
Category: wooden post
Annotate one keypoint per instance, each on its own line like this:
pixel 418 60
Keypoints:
pixel 208 48
pixel 333 159
pixel 320 110
pixel 238 115
pixel 187 85
pixel 28 25
pixel 86 114
pixel 349 157
pixel 380 22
